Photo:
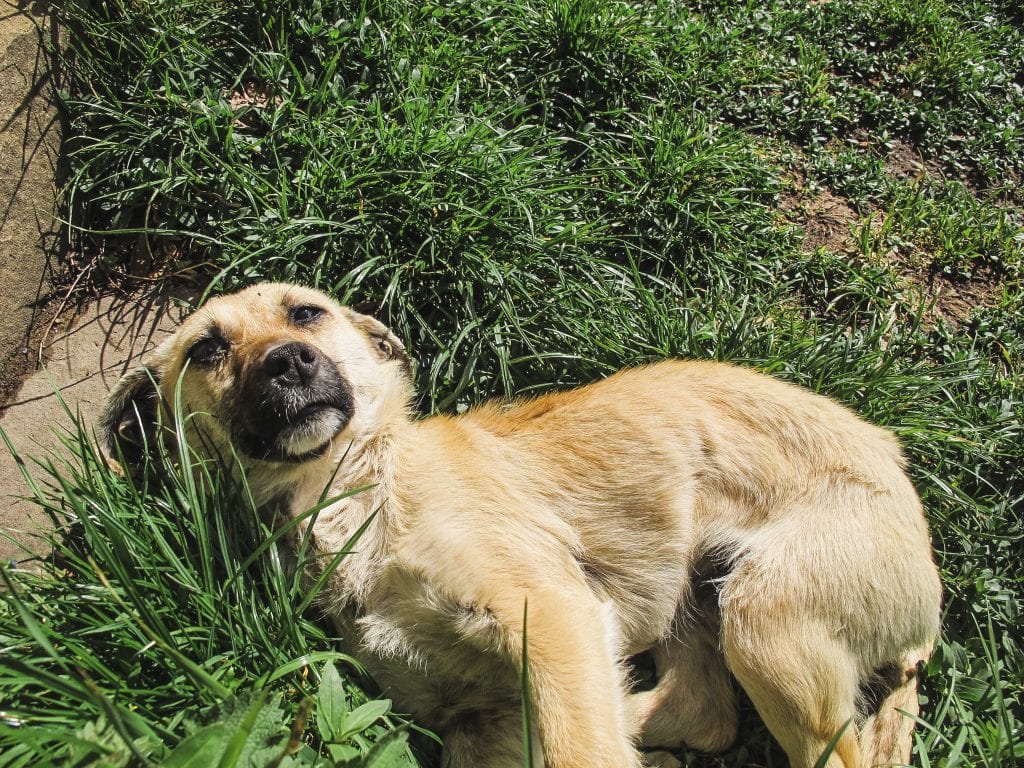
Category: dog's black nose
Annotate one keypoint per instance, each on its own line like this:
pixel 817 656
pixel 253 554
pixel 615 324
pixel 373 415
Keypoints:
pixel 291 364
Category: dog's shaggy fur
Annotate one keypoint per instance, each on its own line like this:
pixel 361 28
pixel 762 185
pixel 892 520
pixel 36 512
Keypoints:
pixel 731 524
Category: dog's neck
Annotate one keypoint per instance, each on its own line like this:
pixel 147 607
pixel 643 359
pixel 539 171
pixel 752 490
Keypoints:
pixel 361 475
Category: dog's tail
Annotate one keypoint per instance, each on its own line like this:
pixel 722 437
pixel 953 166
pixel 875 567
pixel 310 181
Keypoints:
pixel 886 736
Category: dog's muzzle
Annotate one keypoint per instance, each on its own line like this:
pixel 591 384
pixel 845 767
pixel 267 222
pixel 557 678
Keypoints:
pixel 292 402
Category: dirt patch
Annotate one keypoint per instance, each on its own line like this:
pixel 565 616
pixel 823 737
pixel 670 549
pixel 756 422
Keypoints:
pixel 952 300
pixel 905 162
pixel 23 358
pixel 828 223
pixel 826 218
pixel 955 301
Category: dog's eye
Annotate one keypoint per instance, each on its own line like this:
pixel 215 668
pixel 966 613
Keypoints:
pixel 304 315
pixel 209 350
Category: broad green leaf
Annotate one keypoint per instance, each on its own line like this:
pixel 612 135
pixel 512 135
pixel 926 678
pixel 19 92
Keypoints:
pixel 389 751
pixel 331 703
pixel 342 752
pixel 260 722
pixel 200 750
pixel 363 717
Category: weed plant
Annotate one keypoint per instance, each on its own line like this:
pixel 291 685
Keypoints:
pixel 532 194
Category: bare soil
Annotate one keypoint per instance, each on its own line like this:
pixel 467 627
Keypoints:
pixel 906 163
pixel 826 218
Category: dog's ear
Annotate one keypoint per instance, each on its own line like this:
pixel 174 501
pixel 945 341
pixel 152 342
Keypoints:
pixel 384 342
pixel 127 424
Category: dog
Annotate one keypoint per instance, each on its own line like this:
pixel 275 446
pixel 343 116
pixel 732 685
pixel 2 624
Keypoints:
pixel 735 527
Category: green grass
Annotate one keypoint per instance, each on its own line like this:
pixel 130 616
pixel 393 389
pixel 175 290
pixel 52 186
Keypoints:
pixel 532 194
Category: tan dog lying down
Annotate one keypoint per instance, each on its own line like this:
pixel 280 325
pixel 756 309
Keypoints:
pixel 726 521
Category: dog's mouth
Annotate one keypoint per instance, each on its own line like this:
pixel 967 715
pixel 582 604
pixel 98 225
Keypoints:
pixel 312 430
pixel 292 402
pixel 294 434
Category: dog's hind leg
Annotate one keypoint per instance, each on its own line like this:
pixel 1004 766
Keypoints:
pixel 887 734
pixel 693 702
pixel 800 677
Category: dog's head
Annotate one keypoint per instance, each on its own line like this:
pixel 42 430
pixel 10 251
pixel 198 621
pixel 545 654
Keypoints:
pixel 282 374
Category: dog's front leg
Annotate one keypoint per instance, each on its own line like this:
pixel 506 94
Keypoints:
pixel 576 686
